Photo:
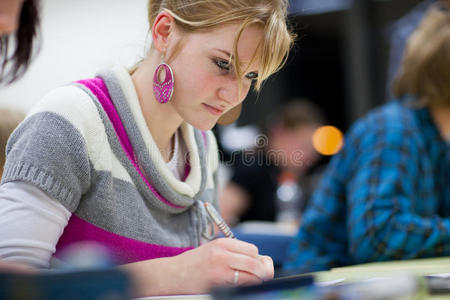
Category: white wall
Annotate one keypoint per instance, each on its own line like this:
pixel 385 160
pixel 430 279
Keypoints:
pixel 79 37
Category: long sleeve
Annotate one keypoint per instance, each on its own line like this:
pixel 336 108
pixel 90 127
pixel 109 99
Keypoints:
pixel 383 197
pixel 390 213
pixel 31 223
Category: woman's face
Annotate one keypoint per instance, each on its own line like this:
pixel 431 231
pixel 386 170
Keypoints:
pixel 9 15
pixel 206 86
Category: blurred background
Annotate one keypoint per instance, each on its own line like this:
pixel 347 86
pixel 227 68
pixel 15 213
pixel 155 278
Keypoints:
pixel 339 61
pixel 78 38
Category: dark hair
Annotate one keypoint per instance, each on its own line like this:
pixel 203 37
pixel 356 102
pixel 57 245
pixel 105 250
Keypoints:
pixel 14 62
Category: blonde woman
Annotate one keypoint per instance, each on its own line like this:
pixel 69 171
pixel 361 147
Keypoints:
pixel 127 159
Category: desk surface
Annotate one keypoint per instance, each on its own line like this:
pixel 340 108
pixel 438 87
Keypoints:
pixel 178 297
pixel 379 269
pixel 383 269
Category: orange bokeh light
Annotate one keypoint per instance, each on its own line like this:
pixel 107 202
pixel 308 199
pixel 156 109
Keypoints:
pixel 328 140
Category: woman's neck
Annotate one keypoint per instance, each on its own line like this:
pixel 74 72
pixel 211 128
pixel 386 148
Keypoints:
pixel 162 120
pixel 441 117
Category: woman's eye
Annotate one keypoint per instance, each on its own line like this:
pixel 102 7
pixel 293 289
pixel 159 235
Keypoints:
pixel 222 64
pixel 252 76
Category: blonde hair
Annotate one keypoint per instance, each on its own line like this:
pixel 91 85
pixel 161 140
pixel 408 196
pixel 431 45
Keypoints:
pixel 192 15
pixel 425 71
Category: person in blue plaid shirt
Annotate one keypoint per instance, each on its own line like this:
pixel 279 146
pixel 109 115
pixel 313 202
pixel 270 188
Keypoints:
pixel 386 195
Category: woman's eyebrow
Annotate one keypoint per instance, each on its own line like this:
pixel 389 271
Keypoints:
pixel 228 54
pixel 224 52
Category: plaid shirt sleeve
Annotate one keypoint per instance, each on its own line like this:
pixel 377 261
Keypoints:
pixel 379 200
pixel 383 221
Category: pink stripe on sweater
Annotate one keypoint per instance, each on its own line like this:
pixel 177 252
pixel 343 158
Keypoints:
pixel 123 249
pixel 187 170
pixel 99 89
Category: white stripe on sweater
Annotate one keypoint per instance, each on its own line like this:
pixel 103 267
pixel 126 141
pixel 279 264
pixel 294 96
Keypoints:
pixel 76 106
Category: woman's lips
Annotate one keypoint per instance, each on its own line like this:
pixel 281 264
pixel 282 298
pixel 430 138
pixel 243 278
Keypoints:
pixel 213 110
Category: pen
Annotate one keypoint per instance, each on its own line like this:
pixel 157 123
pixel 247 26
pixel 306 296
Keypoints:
pixel 218 220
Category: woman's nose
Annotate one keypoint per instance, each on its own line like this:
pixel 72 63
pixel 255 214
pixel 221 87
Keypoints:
pixel 232 93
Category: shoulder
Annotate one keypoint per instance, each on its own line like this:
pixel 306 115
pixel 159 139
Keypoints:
pixel 63 99
pixel 73 104
pixel 393 122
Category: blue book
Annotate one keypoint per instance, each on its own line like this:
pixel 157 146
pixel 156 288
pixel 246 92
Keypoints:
pixel 93 284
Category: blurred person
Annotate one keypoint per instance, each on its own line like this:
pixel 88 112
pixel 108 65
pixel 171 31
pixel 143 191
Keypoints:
pixel 386 195
pixel 285 153
pixel 19 23
pixel 127 158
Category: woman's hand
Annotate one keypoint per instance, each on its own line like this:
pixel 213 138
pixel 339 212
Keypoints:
pixel 198 270
pixel 215 263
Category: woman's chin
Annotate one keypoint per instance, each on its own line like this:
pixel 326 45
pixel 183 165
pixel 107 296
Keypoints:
pixel 203 125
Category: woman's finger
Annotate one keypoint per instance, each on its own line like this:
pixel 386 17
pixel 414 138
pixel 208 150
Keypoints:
pixel 243 278
pixel 238 246
pixel 268 263
pixel 259 267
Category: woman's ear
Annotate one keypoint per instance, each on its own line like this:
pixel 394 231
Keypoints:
pixel 162 29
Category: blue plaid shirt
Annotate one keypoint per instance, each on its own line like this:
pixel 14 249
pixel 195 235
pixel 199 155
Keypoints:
pixel 385 196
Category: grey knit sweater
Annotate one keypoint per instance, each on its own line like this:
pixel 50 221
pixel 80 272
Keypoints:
pixel 87 146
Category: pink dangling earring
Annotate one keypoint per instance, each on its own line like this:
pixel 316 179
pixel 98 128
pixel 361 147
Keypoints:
pixel 163 90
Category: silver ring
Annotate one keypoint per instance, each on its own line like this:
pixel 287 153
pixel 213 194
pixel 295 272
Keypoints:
pixel 236 277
